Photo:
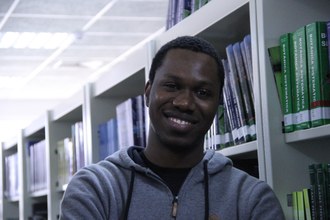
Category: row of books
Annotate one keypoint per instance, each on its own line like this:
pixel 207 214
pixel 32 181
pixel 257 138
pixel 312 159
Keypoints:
pixel 124 130
pixel 71 154
pixel 11 188
pixel 235 121
pixel 180 9
pixel 313 202
pixel 303 77
pixel 36 165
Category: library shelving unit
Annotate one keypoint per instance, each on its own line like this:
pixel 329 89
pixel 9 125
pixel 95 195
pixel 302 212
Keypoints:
pixel 30 200
pixel 283 159
pixel 124 80
pixel 9 201
pixel 61 119
pixel 286 156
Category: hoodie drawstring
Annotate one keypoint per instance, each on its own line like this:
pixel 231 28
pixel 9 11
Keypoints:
pixel 130 192
pixel 206 190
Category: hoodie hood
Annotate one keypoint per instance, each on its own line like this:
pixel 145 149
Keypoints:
pixel 129 157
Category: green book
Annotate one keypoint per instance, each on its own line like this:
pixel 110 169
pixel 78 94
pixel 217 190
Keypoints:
pixel 318 69
pixel 295 205
pixel 287 78
pixel 275 61
pixel 301 96
pixel 300 205
pixel 313 192
pixel 321 191
pixel 306 195
pixel 327 182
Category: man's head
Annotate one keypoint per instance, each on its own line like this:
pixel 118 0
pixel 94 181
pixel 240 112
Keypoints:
pixel 183 94
pixel 190 43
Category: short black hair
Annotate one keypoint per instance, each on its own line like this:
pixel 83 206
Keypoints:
pixel 192 43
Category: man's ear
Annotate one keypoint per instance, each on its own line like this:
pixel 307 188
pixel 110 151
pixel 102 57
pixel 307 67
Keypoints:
pixel 147 89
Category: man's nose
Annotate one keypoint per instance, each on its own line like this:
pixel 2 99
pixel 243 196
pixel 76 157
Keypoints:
pixel 184 101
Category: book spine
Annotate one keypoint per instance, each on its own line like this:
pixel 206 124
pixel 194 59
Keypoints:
pixel 300 205
pixel 246 67
pixel 275 60
pixel 246 93
pixel 318 67
pixel 313 192
pixel 234 83
pixel 295 205
pixel 321 191
pixel 230 104
pixel 248 52
pixel 301 104
pixel 306 195
pixel 287 78
pixel 327 183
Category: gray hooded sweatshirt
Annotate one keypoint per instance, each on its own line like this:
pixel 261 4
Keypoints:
pixel 120 188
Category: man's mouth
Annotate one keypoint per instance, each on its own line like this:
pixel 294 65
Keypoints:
pixel 179 121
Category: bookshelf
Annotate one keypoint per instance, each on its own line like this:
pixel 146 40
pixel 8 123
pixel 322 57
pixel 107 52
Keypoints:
pixel 283 158
pixel 61 119
pixel 9 200
pixel 30 195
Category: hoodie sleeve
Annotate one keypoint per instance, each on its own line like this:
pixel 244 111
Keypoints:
pixel 85 196
pixel 263 204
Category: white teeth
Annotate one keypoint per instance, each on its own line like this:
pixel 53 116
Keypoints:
pixel 181 122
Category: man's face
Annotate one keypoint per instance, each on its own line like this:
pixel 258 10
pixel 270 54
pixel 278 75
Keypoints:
pixel 183 99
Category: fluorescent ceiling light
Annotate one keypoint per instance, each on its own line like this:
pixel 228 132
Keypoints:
pixel 39 40
pixel 8 39
pixel 56 40
pixel 33 40
pixel 11 81
pixel 24 39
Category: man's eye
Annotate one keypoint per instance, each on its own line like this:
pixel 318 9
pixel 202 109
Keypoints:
pixel 203 93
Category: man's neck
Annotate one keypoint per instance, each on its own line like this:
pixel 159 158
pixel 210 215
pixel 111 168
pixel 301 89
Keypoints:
pixel 164 157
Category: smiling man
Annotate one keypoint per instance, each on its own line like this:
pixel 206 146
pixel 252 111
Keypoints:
pixel 173 177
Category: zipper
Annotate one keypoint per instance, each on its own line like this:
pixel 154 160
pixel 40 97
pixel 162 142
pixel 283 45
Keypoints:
pixel 174 207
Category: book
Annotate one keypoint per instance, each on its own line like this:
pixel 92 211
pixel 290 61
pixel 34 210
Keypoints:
pixel 306 195
pixel 328 41
pixel 327 183
pixel 225 137
pixel 237 92
pixel 301 90
pixel 37 170
pixel 131 122
pixel 313 192
pixel 275 61
pixel 246 93
pixel 80 151
pixel 295 205
pixel 230 102
pixel 318 70
pixel 321 191
pixel 300 205
pixel 108 138
pixel 66 161
pixel 11 183
pixel 247 52
pixel 171 14
pixel 286 55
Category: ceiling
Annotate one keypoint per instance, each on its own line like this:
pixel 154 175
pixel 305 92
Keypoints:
pixel 101 31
